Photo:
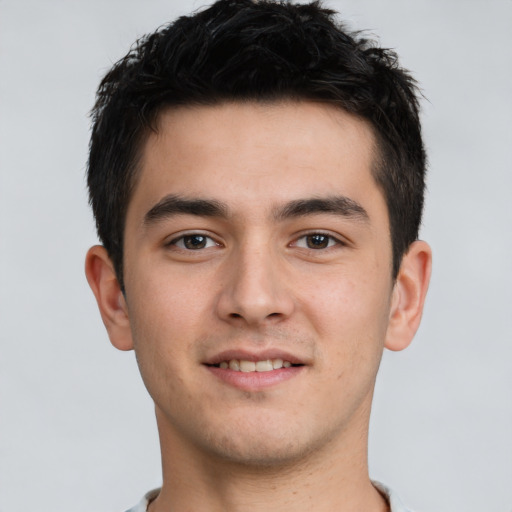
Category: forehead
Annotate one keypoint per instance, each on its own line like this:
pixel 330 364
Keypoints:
pixel 256 155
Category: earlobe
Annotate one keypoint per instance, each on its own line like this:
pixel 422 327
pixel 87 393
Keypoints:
pixel 408 296
pixel 103 281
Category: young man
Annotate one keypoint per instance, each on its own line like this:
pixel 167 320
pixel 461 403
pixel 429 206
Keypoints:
pixel 257 174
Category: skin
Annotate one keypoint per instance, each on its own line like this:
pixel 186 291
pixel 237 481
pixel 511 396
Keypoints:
pixel 257 284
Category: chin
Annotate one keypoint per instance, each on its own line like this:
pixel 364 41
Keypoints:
pixel 258 454
pixel 262 446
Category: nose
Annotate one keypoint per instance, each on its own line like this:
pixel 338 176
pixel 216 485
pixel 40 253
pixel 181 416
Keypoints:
pixel 254 292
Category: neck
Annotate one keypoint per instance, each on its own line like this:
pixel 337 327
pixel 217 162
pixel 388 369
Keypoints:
pixel 334 478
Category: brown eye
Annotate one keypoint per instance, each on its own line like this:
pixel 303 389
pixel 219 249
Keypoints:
pixel 193 242
pixel 317 241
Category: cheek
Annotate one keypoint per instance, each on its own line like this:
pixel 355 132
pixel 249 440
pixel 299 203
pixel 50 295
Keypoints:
pixel 349 316
pixel 167 315
pixel 352 336
pixel 168 301
pixel 344 302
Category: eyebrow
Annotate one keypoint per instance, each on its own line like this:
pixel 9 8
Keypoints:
pixel 173 205
pixel 338 205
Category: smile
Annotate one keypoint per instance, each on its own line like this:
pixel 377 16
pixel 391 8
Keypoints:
pixel 253 372
pixel 255 376
pixel 245 366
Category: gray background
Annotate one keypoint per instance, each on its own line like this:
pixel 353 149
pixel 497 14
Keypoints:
pixel 77 431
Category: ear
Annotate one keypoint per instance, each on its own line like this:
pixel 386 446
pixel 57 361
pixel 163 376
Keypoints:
pixel 102 279
pixel 408 296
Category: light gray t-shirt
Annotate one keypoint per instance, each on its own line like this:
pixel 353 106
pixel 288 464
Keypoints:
pixel 394 501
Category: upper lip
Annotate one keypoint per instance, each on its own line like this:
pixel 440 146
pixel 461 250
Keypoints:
pixel 250 355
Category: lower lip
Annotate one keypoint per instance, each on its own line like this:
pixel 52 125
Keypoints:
pixel 255 381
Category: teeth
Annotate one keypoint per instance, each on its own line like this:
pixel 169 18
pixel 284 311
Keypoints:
pixel 241 365
pixel 247 366
pixel 234 365
pixel 264 366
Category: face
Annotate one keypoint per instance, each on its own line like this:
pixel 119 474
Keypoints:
pixel 258 278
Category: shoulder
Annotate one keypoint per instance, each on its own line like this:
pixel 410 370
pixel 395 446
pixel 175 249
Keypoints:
pixel 142 506
pixel 395 503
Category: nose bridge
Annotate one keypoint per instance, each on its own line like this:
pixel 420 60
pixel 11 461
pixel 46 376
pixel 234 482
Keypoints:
pixel 255 290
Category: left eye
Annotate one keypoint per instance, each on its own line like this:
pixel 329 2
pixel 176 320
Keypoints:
pixel 193 242
pixel 316 241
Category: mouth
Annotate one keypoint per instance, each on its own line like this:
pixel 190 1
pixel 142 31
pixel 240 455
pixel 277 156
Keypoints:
pixel 254 372
pixel 246 366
